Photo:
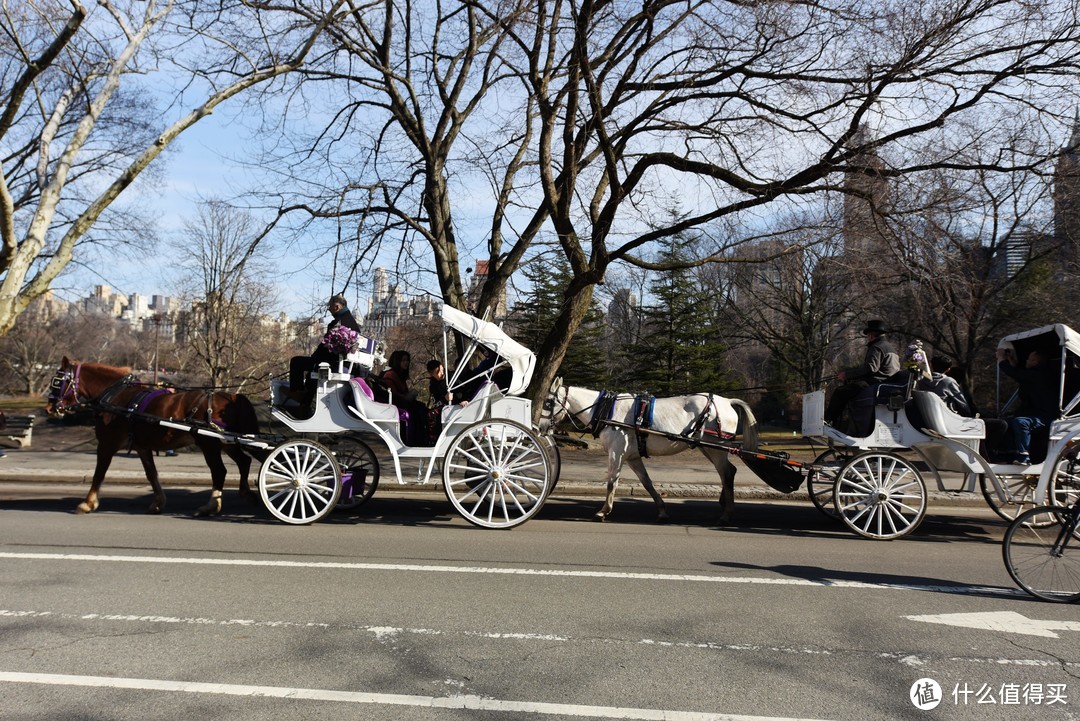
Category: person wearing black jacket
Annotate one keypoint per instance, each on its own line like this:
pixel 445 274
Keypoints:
pixel 1039 391
pixel 301 386
pixel 880 363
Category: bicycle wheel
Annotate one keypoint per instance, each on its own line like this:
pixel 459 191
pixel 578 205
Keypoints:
pixel 1041 551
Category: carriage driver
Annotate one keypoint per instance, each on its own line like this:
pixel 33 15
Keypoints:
pixel 301 387
pixel 880 364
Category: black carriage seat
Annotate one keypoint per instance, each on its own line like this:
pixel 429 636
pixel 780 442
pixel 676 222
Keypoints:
pixel 931 412
pixel 861 408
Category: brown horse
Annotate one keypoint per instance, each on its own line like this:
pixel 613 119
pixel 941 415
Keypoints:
pixel 110 391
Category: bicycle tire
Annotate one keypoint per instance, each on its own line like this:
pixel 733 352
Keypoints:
pixel 1041 551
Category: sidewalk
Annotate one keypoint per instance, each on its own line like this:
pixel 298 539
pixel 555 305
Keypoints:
pixel 584 473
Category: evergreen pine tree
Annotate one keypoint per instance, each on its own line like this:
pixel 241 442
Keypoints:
pixel 680 348
pixel 534 315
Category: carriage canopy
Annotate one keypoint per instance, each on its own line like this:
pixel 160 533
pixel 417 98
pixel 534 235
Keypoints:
pixel 519 359
pixel 1061 344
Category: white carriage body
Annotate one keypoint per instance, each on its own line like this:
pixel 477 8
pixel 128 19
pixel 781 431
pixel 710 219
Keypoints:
pixel 494 469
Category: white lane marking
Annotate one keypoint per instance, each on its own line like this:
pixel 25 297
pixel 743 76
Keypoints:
pixel 473 703
pixel 391 633
pixel 1004 621
pixel 495 570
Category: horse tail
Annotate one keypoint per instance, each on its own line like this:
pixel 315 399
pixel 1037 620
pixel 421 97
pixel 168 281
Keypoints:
pixel 748 421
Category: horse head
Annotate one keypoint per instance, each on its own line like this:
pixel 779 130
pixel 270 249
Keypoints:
pixel 77 384
pixel 63 389
pixel 552 410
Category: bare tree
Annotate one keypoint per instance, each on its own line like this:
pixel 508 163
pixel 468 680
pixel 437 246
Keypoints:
pixel 429 111
pixel 229 297
pixel 76 118
pixel 754 105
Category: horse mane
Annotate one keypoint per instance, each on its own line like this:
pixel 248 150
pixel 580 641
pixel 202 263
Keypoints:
pixel 119 370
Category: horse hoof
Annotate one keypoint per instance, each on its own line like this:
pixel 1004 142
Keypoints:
pixel 154 510
pixel 600 517
pixel 210 509
pixel 663 519
pixel 85 507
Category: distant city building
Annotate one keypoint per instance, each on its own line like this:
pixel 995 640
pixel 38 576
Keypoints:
pixel 388 308
pixel 472 294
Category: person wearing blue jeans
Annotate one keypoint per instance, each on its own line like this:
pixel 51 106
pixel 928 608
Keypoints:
pixel 1039 391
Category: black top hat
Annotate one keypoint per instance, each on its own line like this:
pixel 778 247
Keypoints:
pixel 875 326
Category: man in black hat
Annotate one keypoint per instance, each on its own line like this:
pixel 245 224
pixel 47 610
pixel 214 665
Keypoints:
pixel 880 364
pixel 301 387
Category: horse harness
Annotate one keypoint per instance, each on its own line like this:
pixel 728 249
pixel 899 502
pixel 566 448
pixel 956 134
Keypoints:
pixel 65 384
pixel 642 420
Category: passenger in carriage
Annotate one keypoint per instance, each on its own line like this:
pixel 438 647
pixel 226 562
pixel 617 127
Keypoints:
pixel 1038 388
pixel 301 385
pixel 396 379
pixel 880 363
pixel 947 387
pixel 437 388
pixel 440 397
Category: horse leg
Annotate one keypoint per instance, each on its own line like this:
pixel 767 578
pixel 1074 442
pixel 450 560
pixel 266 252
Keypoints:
pixel 726 469
pixel 243 464
pixel 147 458
pixel 105 453
pixel 212 454
pixel 638 466
pixel 615 442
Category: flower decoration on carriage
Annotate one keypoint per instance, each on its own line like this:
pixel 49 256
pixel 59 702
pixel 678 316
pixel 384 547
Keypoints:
pixel 915 360
pixel 341 340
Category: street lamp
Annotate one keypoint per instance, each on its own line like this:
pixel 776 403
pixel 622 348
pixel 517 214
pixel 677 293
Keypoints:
pixel 156 320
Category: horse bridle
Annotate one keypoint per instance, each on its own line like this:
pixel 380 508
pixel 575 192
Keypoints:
pixel 548 412
pixel 65 386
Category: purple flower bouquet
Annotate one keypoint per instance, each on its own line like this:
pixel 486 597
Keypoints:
pixel 341 340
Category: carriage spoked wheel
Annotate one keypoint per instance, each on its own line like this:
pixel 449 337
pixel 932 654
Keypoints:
pixel 359 470
pixel 880 495
pixel 497 474
pixel 299 482
pixel 1019 494
pixel 821 479
pixel 1065 485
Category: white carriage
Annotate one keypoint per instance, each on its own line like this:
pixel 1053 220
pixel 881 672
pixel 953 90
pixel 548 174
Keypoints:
pixel 876 487
pixel 495 470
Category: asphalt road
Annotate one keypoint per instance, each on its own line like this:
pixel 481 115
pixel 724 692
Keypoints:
pixel 404 611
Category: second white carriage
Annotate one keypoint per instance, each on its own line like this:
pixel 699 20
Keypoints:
pixel 866 482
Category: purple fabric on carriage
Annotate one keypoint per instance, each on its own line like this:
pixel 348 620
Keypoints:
pixel 363 386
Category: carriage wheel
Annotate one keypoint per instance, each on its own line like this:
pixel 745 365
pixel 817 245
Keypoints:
pixel 551 448
pixel 820 481
pixel 359 470
pixel 1042 553
pixel 1065 485
pixel 299 482
pixel 880 495
pixel 1019 492
pixel 497 474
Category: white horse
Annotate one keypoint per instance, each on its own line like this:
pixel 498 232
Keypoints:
pixel 696 416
